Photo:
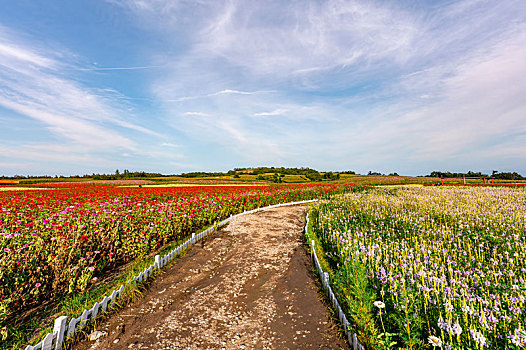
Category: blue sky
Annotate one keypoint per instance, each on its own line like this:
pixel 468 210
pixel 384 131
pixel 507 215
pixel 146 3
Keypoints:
pixel 178 86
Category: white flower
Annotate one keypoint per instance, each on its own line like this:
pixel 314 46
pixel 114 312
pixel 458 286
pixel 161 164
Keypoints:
pixel 448 306
pixel 379 304
pixel 435 341
pixel 442 324
pixel 456 329
pixel 478 337
pixel 518 338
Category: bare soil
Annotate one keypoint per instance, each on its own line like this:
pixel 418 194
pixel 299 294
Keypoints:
pixel 248 286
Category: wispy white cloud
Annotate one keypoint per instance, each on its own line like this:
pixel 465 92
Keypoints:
pixel 169 144
pixel 51 153
pixel 14 165
pixel 199 114
pixel 88 69
pixel 22 55
pixel 278 111
pixel 219 93
pixel 34 86
pixel 304 37
pixel 77 130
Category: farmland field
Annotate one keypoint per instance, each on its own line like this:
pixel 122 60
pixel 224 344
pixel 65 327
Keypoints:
pixel 423 267
pixel 60 241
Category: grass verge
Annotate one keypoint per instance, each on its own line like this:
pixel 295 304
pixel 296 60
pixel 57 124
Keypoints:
pixel 349 284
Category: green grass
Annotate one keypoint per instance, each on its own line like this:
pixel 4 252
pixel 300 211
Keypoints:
pixel 295 179
pixel 356 297
pixel 355 294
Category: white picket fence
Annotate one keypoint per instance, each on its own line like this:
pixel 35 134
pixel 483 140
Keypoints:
pixel 324 277
pixel 63 330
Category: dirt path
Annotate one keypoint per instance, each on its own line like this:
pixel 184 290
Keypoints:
pixel 248 286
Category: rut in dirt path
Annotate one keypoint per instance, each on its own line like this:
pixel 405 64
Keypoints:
pixel 249 286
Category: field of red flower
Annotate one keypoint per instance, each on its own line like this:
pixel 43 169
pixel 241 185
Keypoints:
pixel 58 241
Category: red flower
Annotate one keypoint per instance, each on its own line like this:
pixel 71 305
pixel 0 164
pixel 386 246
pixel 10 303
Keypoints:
pixel 83 238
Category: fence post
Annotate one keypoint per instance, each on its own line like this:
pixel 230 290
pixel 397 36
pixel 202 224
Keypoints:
pixel 113 296
pixel 104 303
pixel 83 319
pixel 95 309
pixel 158 261
pixel 58 330
pixel 71 327
pixel 47 343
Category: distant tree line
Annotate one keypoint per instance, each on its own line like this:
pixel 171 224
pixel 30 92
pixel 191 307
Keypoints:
pixel 281 170
pixel 508 176
pixel 448 174
pixel 503 176
pixel 377 173
pixel 279 173
pixel 125 175
pixel 22 177
pixel 204 174
pixel 272 174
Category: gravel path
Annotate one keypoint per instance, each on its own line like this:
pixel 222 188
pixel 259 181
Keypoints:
pixel 248 286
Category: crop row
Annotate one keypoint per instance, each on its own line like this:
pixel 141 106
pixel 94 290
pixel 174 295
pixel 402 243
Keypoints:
pixel 422 267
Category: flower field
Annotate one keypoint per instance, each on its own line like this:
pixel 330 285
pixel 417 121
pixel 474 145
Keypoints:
pixel 419 267
pixel 60 240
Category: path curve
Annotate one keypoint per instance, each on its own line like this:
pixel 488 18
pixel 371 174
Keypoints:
pixel 248 286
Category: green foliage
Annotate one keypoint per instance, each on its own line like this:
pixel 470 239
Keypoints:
pixel 448 174
pixel 126 175
pixel 197 174
pixel 350 284
pixel 508 176
pixel 310 174
pixel 275 178
pixel 358 298
pixel 331 176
